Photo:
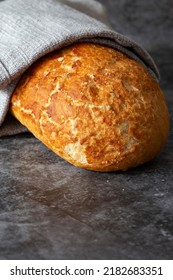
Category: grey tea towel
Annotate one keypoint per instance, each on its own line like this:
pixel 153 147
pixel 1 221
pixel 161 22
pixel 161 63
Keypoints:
pixel 31 28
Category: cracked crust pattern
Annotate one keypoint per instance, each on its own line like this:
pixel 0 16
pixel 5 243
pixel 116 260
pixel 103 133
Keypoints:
pixel 94 107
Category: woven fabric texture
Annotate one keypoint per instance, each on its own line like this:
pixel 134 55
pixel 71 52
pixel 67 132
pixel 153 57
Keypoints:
pixel 31 29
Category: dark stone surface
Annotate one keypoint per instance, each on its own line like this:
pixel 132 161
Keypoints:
pixel 50 209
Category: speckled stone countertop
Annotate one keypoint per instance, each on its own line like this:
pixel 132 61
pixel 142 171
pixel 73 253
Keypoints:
pixel 50 209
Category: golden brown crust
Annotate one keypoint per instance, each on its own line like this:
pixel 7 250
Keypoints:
pixel 93 106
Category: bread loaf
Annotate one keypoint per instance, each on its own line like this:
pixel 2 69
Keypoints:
pixel 94 107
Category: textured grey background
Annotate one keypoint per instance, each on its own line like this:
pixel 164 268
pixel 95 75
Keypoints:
pixel 52 210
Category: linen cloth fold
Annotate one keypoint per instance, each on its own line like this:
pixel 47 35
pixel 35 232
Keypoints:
pixel 29 29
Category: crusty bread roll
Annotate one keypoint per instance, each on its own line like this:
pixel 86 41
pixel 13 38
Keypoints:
pixel 94 107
